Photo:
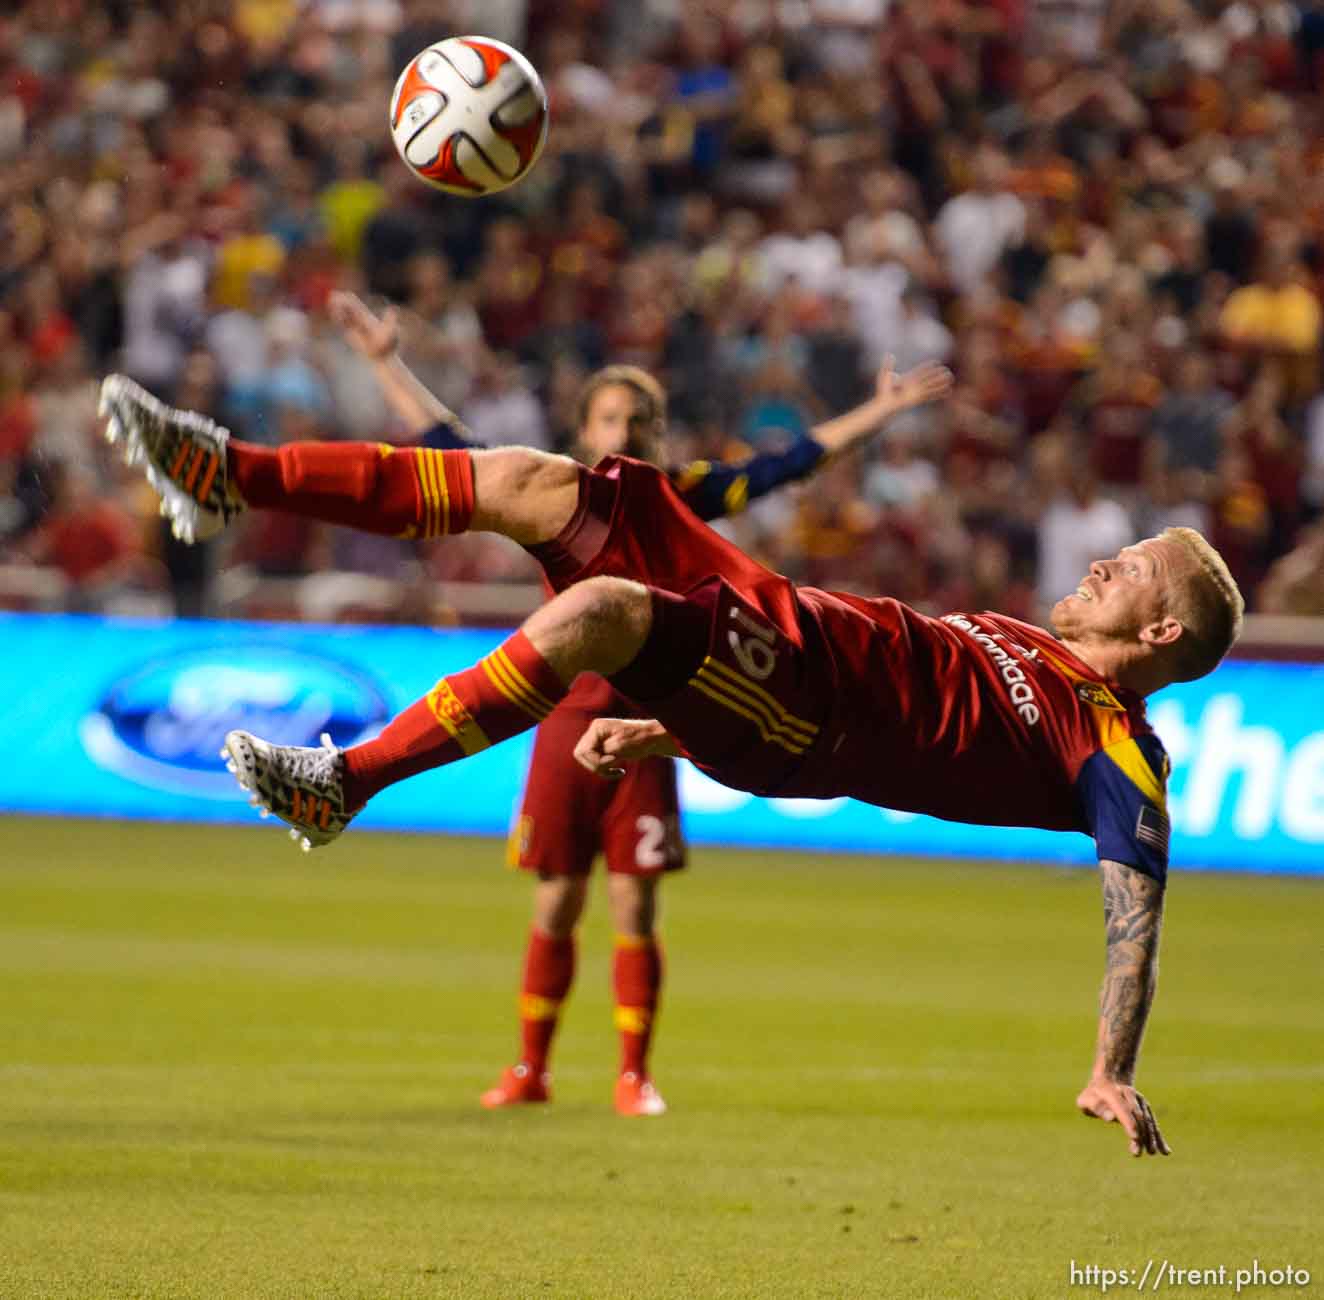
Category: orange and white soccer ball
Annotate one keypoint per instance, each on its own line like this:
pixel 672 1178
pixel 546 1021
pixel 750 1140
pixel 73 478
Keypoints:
pixel 469 115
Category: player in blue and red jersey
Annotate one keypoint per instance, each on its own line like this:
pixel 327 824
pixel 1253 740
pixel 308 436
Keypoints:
pixel 567 817
pixel 770 687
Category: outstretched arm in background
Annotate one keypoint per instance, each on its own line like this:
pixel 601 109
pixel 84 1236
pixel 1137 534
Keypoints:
pixel 377 339
pixel 1133 914
pixel 714 490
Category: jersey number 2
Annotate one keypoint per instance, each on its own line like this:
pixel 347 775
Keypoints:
pixel 657 840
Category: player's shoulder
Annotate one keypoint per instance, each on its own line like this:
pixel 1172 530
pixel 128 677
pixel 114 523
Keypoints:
pixel 1093 715
pixel 1122 711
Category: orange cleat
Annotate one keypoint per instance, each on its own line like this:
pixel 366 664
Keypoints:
pixel 635 1095
pixel 518 1086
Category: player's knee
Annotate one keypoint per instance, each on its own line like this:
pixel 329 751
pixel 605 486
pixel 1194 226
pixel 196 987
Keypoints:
pixel 618 613
pixel 559 903
pixel 633 904
pixel 597 626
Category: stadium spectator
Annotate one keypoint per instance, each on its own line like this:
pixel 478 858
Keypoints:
pixel 1189 419
pixel 1108 221
pixel 974 229
pixel 1277 316
pixel 91 540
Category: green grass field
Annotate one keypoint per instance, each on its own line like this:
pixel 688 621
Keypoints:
pixel 230 1069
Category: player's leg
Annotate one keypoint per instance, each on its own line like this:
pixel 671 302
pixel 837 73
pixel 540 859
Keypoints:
pixel 205 477
pixel 548 973
pixel 600 625
pixel 555 838
pixel 641 842
pixel 523 494
pixel 637 983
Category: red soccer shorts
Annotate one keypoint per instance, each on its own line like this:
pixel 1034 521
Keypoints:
pixel 728 669
pixel 569 816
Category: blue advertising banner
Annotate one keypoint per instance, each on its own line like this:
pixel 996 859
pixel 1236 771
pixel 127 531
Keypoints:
pixel 125 718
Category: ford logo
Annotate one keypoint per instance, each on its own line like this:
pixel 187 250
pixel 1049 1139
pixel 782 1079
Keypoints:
pixel 163 724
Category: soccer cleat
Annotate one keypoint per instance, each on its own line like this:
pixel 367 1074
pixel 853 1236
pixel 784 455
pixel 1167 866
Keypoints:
pixel 303 787
pixel 636 1095
pixel 519 1085
pixel 182 453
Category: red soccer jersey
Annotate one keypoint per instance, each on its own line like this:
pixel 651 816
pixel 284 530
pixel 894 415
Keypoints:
pixel 801 692
pixel 982 718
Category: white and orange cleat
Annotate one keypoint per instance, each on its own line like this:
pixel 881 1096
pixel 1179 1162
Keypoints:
pixel 182 453
pixel 303 787
pixel 519 1085
pixel 635 1095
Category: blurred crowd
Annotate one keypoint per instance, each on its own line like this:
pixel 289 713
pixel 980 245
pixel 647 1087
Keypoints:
pixel 1107 216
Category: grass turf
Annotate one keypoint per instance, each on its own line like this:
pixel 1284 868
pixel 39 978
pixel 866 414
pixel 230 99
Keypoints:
pixel 233 1070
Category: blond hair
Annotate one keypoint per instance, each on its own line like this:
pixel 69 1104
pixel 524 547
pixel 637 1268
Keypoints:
pixel 1209 607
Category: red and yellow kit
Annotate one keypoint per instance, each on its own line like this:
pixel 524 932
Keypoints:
pixel 568 816
pixel 793 691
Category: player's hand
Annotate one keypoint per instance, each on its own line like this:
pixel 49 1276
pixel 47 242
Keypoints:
pixel 375 337
pixel 929 381
pixel 610 742
pixel 1119 1103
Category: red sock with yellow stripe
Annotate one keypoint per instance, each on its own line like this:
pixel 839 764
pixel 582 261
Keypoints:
pixel 371 486
pixel 637 979
pixel 508 691
pixel 549 971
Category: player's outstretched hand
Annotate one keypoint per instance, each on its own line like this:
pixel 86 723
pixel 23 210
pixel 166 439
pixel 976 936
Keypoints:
pixel 610 742
pixel 1119 1103
pixel 375 337
pixel 929 381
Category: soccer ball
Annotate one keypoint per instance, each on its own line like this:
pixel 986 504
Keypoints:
pixel 469 115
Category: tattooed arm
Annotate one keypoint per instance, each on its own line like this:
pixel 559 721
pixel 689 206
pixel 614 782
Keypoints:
pixel 1133 913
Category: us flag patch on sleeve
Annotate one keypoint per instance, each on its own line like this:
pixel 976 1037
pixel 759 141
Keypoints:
pixel 1152 828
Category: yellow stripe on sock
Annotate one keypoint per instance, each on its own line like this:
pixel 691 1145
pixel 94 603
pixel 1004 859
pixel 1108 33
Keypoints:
pixel 495 676
pixel 634 942
pixel 420 529
pixel 727 703
pixel 443 493
pixel 515 682
pixel 633 1020
pixel 424 525
pixel 534 1007
pixel 809 729
pixel 537 696
pixel 450 711
pixel 428 469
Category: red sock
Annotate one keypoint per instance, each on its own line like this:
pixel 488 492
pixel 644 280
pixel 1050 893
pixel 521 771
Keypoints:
pixel 549 970
pixel 509 691
pixel 637 977
pixel 399 491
